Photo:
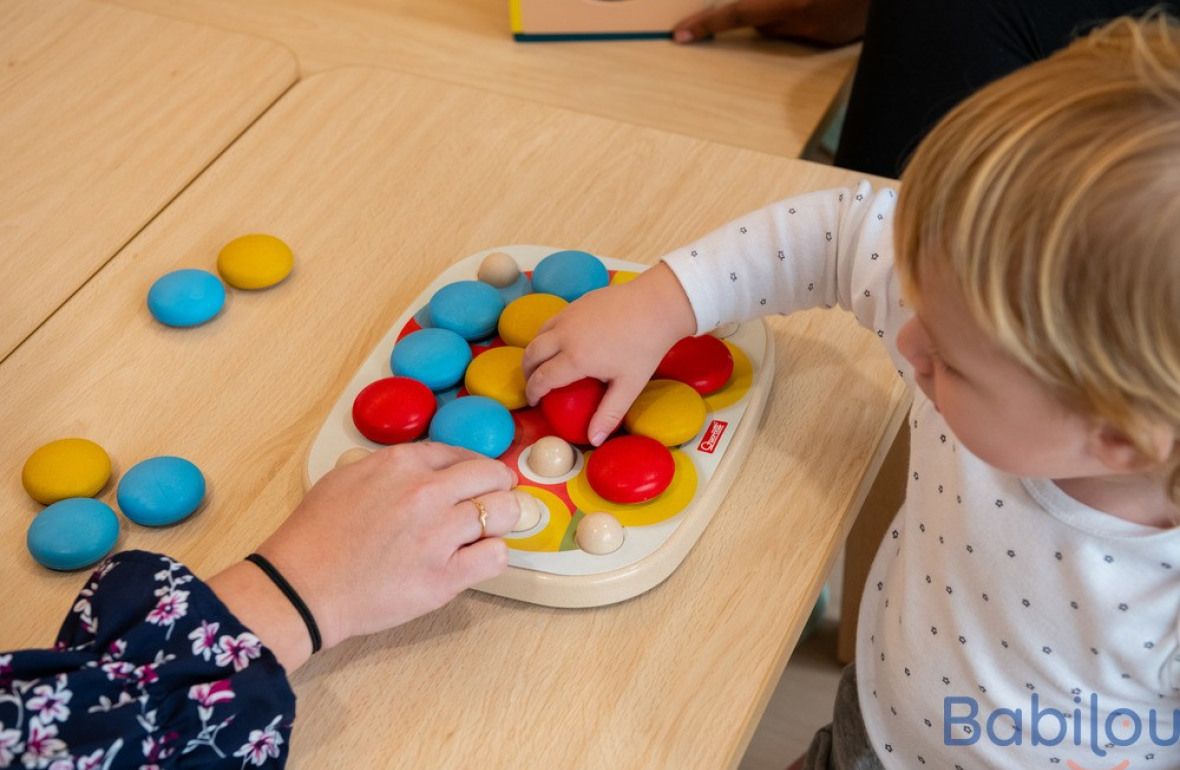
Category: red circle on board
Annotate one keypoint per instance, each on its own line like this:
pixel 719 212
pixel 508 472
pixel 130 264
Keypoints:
pixel 703 363
pixel 630 469
pixel 569 409
pixel 393 410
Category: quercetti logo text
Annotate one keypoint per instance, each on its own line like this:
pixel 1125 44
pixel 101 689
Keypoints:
pixel 712 436
pixel 1083 727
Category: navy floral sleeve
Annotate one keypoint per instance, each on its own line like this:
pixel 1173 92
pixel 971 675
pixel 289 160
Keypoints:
pixel 150 671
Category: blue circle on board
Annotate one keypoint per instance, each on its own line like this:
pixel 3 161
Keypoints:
pixel 437 358
pixel 471 309
pixel 186 297
pixel 517 289
pixel 160 491
pixel 73 533
pixel 476 423
pixel 569 274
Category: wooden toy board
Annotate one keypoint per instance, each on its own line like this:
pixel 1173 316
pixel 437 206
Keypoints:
pixel 546 20
pixel 545 565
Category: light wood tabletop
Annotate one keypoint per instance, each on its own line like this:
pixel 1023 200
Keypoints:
pixel 379 181
pixel 739 90
pixel 107 113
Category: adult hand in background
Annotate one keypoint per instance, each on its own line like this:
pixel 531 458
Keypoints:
pixel 830 22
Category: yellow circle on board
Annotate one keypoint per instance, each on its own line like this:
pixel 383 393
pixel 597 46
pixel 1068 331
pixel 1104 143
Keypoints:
pixel 497 374
pixel 549 538
pixel 739 382
pixel 523 318
pixel 68 467
pixel 668 411
pixel 255 261
pixel 623 276
pixel 667 504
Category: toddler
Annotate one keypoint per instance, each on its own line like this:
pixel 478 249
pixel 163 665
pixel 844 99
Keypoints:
pixel 1022 610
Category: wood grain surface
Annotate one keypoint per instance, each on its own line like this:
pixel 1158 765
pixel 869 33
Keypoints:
pixel 107 113
pixel 740 89
pixel 378 181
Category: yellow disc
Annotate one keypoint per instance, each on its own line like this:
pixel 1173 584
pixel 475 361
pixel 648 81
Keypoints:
pixel 68 467
pixel 739 382
pixel 668 411
pixel 549 538
pixel 665 505
pixel 255 261
pixel 623 276
pixel 525 316
pixel 497 374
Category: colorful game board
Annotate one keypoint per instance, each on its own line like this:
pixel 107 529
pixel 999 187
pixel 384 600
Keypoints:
pixel 546 565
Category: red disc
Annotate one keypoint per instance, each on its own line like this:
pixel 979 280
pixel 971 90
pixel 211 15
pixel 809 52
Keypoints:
pixel 393 410
pixel 570 408
pixel 703 363
pixel 630 469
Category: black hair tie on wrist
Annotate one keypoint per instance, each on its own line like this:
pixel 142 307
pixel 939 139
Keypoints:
pixel 309 620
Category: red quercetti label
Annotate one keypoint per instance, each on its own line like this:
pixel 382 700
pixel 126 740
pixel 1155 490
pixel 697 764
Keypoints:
pixel 712 436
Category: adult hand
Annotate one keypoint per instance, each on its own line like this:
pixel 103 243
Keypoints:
pixel 831 22
pixel 617 335
pixel 377 543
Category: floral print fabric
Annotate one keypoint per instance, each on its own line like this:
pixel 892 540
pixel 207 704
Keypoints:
pixel 150 671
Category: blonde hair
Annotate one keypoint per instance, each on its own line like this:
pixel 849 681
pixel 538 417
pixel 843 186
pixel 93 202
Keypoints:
pixel 1052 198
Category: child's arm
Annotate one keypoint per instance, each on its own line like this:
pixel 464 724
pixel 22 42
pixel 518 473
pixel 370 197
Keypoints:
pixel 820 249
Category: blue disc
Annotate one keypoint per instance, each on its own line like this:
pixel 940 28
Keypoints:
pixel 471 309
pixel 476 423
pixel 73 533
pixel 569 274
pixel 161 491
pixel 517 289
pixel 186 297
pixel 437 358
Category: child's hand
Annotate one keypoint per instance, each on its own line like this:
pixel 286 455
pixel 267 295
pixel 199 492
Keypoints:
pixel 617 335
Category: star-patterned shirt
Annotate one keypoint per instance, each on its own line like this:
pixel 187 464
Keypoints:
pixel 1004 624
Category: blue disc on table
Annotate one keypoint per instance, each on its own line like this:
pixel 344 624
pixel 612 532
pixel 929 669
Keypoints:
pixel 161 491
pixel 437 358
pixel 73 533
pixel 569 274
pixel 515 290
pixel 471 309
pixel 476 423
pixel 186 297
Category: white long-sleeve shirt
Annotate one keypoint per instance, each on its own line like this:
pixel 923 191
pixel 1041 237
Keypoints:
pixel 992 591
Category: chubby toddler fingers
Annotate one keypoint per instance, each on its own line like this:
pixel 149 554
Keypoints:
pixel 614 405
pixel 557 372
pixel 543 347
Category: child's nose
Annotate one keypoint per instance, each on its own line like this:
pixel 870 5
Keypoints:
pixel 914 346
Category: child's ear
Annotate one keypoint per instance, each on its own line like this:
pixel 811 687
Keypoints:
pixel 1115 449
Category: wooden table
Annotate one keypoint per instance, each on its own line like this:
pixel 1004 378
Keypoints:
pixel 105 115
pixel 378 181
pixel 739 90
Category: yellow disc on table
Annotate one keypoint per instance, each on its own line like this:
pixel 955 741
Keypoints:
pixel 668 411
pixel 623 276
pixel 68 467
pixel 497 374
pixel 525 316
pixel 255 261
